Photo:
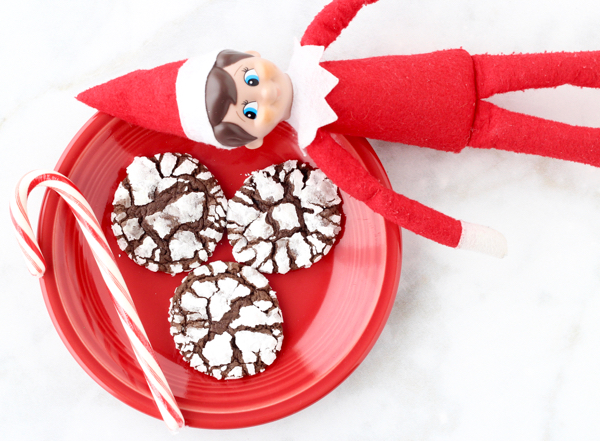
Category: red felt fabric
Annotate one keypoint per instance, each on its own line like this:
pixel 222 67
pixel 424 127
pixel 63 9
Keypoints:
pixel 507 73
pixel 433 100
pixel 502 129
pixel 349 175
pixel 331 21
pixel 430 100
pixel 144 97
pixel 426 100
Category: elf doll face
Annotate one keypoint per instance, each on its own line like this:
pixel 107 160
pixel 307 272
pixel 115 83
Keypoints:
pixel 264 97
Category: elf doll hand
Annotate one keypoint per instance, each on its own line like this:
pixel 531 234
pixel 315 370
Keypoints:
pixel 482 239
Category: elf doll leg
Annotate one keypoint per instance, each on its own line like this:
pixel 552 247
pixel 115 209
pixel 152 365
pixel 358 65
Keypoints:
pixel 494 127
pixel 508 73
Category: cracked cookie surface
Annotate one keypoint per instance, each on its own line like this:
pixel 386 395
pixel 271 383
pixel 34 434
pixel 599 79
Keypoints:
pixel 225 320
pixel 169 213
pixel 284 217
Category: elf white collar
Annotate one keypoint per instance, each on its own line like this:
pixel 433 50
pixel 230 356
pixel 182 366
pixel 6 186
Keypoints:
pixel 311 84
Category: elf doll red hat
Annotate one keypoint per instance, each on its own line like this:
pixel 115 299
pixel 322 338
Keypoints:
pixel 169 98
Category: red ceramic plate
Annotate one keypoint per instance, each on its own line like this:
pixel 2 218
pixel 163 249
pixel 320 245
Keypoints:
pixel 333 311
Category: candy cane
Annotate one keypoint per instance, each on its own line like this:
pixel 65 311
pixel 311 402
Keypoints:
pixel 110 272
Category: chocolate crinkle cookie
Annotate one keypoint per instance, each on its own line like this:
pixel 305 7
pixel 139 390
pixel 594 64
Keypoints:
pixel 169 213
pixel 285 217
pixel 226 321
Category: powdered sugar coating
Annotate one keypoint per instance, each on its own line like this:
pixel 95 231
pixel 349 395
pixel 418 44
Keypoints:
pixel 169 213
pixel 225 320
pixel 285 217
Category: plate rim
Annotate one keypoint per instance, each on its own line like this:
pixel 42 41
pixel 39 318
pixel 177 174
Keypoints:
pixel 251 417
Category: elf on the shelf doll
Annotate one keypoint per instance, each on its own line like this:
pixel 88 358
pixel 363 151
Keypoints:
pixel 231 99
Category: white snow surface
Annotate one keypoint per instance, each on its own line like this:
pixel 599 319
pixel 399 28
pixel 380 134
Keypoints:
pixel 475 348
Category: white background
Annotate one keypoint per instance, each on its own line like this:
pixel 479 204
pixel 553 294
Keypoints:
pixel 475 348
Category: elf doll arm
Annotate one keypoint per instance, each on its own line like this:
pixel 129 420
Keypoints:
pixel 351 177
pixel 331 21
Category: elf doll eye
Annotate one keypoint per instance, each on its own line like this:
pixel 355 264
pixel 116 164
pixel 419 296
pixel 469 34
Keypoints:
pixel 251 77
pixel 250 110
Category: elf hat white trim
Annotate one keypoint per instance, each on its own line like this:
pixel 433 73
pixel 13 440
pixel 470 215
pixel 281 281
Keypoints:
pixel 169 98
pixel 190 89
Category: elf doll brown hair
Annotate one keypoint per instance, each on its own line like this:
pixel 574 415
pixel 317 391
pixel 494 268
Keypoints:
pixel 221 92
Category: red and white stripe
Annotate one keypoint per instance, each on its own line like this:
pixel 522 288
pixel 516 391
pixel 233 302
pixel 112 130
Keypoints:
pixel 108 267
